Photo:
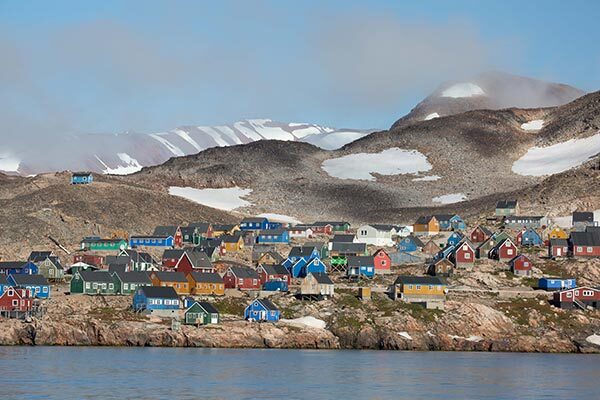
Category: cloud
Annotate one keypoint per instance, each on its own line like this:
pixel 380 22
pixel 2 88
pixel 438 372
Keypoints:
pixel 375 59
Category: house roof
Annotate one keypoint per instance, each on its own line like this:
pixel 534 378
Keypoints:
pixel 443 217
pixel 117 260
pixel 361 261
pixel 559 242
pixel 513 218
pixel 273 232
pixel 223 227
pixel 164 292
pixel 275 255
pixel 96 276
pixel 209 308
pixel 172 254
pixel 165 230
pixel 231 238
pixel 506 204
pixel 343 238
pixel 418 280
pixel 21 280
pixel 243 272
pixel 187 230
pixel 424 219
pixel 201 227
pixel 384 227
pixel 332 223
pixel 134 277
pixel 167 276
pixel 349 248
pixel 206 277
pixel 301 251
pixel 588 238
pixel 484 229
pixel 583 216
pixel 274 269
pixel 39 255
pixel 199 259
pixel 3 280
pixel 317 245
pixel 139 256
pixel 12 264
pixel 267 304
pixel 415 240
pixel 254 220
pixel 322 278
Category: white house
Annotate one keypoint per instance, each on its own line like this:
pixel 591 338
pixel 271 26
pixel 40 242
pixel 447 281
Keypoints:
pixel 303 232
pixel 404 231
pixel 376 235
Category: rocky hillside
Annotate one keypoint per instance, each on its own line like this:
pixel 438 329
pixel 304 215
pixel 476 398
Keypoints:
pixel 492 91
pixel 478 156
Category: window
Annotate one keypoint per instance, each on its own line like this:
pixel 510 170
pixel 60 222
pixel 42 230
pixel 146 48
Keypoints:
pixel 509 252
pixel 383 262
pixel 126 286
pixel 87 285
pixel 430 287
pixel 569 294
pixel 467 256
pixel 95 285
pixel 590 250
pixel 418 287
pixel 526 264
pixel 579 249
pixel 45 289
pixel 15 303
pixel 111 286
pixel 11 292
pixel 588 292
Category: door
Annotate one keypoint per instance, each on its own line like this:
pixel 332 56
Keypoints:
pixel 214 319
pixel 263 315
pixel 559 252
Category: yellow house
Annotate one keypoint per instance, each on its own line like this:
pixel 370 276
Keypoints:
pixel 558 233
pixel 427 225
pixel 270 258
pixel 427 290
pixel 206 283
pixel 232 243
pixel 176 280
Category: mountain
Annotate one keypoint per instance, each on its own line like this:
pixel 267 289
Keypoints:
pixel 126 153
pixel 493 91
pixel 462 162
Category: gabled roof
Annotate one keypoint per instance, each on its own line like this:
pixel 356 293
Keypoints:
pixel 231 238
pixel 301 251
pixel 187 230
pixel 418 242
pixel 349 248
pixel 322 278
pixel 506 204
pixel 267 304
pixel 117 260
pixel 317 245
pixel 13 264
pixel 424 219
pixel 559 242
pixel 206 277
pixel 3 280
pixel 418 280
pixel 199 259
pixel 201 227
pixel 273 232
pixel 361 261
pixel 443 217
pixel 172 254
pixel 39 255
pixel 139 256
pixel 583 216
pixel 96 276
pixel 243 272
pixel 384 227
pixel 223 227
pixel 275 255
pixel 588 238
pixel 163 292
pixel 343 238
pixel 164 231
pixel 484 229
pixel 332 223
pixel 209 308
pixel 274 269
pixel 167 276
pixel 23 280
pixel 254 220
pixel 134 277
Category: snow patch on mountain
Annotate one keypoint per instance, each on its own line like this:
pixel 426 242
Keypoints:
pixel 465 89
pixel 286 219
pixel 173 149
pixel 227 199
pixel 429 178
pixel 534 125
pixel 540 161
pixel 9 163
pixel 215 135
pixel 186 136
pixel 432 116
pixel 335 140
pixel 449 198
pixel 360 166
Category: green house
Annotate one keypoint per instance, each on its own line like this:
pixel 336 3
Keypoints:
pixel 483 249
pixel 128 282
pixel 93 282
pixel 96 243
pixel 201 313
pixel 50 268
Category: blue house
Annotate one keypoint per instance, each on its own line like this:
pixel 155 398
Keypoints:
pixel 262 310
pixel 449 222
pixel 551 284
pixel 18 268
pixel 303 267
pixel 151 241
pixel 80 178
pixel 529 237
pixel 445 252
pixel 275 286
pixel 300 252
pixel 273 236
pixel 454 239
pixel 37 284
pixel 158 300
pixel 254 224
pixel 409 244
pixel 360 266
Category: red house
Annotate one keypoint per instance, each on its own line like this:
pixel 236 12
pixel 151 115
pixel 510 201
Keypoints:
pixel 558 248
pixel 322 228
pixel 480 234
pixel 91 259
pixel 578 297
pixel 275 272
pixel 382 260
pixel 171 257
pixel 504 251
pixel 194 261
pixel 464 256
pixel 521 265
pixel 586 244
pixel 241 278
pixel 16 299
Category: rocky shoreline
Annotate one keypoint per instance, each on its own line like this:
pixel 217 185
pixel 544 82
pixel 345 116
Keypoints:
pixel 88 321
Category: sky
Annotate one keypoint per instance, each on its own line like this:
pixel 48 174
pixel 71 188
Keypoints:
pixel 72 67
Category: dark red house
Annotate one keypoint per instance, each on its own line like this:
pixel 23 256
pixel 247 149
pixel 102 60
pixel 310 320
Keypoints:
pixel 194 261
pixel 275 272
pixel 580 297
pixel 586 244
pixel 464 256
pixel 16 300
pixel 480 234
pixel 92 259
pixel 521 265
pixel 558 248
pixel 504 251
pixel 382 260
pixel 320 228
pixel 171 257
pixel 241 278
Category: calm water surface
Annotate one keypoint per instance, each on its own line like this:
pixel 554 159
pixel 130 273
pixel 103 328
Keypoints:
pixel 151 373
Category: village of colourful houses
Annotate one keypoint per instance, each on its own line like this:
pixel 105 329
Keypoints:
pixel 192 266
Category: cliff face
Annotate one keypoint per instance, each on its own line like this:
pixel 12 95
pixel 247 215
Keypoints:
pixel 525 325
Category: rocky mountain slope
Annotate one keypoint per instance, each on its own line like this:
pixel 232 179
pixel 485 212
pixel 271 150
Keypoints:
pixel 477 156
pixel 491 91
pixel 128 152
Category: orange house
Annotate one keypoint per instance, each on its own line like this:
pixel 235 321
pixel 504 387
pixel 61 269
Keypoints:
pixel 426 225
pixel 206 283
pixel 176 280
